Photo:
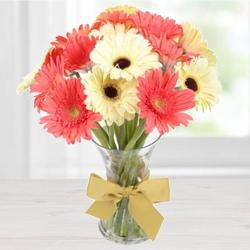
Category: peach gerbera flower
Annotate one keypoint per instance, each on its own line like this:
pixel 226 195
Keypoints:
pixel 115 15
pixel 195 45
pixel 125 8
pixel 67 115
pixel 52 69
pixel 161 105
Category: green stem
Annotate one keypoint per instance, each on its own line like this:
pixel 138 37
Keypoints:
pixel 101 135
pixel 127 170
pixel 122 136
pixel 118 221
pixel 126 123
pixel 117 135
pixel 136 230
pixel 136 135
pixel 127 178
pixel 106 128
pixel 111 130
pixel 130 129
pixel 140 142
pixel 135 123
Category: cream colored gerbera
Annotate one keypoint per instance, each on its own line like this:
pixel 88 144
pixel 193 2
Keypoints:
pixel 110 29
pixel 28 80
pixel 125 55
pixel 115 100
pixel 125 8
pixel 194 44
pixel 202 79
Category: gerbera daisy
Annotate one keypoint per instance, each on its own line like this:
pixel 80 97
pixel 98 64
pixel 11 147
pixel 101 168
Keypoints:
pixel 118 14
pixel 109 29
pixel 67 115
pixel 194 44
pixel 161 33
pixel 125 8
pixel 61 41
pixel 77 51
pixel 160 104
pixel 53 53
pixel 76 47
pixel 168 50
pixel 45 78
pixel 115 100
pixel 202 79
pixel 28 80
pixel 151 24
pixel 125 55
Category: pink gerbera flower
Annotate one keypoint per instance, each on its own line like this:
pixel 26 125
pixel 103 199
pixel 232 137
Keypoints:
pixel 161 33
pixel 52 69
pixel 61 41
pixel 53 54
pixel 77 51
pixel 168 50
pixel 67 115
pixel 152 24
pixel 161 105
pixel 76 48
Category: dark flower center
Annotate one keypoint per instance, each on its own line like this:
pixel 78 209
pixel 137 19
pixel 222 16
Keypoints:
pixel 122 63
pixel 191 84
pixel 111 92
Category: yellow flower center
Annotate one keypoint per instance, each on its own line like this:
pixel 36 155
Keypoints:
pixel 191 84
pixel 74 112
pixel 159 104
pixel 122 63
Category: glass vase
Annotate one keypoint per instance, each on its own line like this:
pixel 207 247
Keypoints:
pixel 125 168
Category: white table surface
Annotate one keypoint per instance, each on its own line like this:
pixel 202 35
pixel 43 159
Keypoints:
pixel 204 213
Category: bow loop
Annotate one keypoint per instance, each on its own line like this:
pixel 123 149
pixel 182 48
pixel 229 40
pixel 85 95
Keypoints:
pixel 156 190
pixel 107 194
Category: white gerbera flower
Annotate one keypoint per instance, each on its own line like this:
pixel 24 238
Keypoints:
pixel 28 80
pixel 202 79
pixel 109 29
pixel 115 100
pixel 125 55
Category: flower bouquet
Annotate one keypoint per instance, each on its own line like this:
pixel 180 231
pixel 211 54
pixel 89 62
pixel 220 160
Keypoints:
pixel 129 73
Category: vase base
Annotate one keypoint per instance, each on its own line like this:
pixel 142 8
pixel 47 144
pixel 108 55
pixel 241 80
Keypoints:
pixel 122 240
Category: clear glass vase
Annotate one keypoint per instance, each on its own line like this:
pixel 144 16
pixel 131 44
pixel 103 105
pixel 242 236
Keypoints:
pixel 126 168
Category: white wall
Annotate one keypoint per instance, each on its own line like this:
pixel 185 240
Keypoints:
pixel 14 111
pixel 26 151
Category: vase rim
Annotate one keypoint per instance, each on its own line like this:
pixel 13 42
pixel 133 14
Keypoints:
pixel 134 149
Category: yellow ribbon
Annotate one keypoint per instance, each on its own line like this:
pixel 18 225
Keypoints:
pixel 141 198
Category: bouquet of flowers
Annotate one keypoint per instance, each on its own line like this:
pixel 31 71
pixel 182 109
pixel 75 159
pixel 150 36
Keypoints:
pixel 128 73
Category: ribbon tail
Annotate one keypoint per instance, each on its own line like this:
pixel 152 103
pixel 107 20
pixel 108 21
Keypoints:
pixel 145 215
pixel 102 209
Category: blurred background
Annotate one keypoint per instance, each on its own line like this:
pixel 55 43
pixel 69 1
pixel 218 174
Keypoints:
pixel 216 143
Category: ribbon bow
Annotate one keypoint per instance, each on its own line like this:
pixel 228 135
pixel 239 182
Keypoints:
pixel 140 206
